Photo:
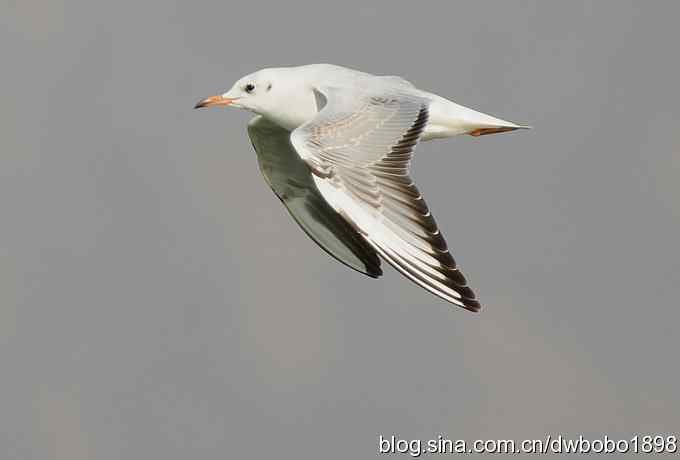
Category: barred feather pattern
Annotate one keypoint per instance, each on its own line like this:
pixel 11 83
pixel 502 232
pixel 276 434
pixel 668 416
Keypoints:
pixel 360 154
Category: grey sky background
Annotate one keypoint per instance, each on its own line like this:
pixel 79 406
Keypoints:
pixel 157 302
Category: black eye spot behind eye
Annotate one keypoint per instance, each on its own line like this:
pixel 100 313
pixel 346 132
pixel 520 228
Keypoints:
pixel 269 86
pixel 250 88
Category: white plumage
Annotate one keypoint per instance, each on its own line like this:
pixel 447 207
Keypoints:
pixel 335 145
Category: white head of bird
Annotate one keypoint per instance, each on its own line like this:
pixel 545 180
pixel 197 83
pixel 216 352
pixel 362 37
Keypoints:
pixel 283 95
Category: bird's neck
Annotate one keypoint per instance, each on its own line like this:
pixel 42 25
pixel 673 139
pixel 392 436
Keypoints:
pixel 296 108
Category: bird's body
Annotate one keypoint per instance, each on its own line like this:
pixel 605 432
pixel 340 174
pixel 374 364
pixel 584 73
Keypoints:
pixel 446 118
pixel 335 145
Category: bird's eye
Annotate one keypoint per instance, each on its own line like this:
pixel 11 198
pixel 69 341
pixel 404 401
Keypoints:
pixel 250 88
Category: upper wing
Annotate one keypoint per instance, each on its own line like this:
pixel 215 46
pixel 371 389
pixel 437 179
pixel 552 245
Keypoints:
pixel 359 147
pixel 290 179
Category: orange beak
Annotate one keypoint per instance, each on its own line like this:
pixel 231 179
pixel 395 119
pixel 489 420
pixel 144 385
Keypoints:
pixel 214 101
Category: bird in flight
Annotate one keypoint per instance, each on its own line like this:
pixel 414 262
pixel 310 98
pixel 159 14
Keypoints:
pixel 335 146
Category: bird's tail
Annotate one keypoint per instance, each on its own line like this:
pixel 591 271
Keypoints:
pixel 480 124
pixel 453 119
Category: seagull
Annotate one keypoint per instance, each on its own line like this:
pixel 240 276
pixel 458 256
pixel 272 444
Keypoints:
pixel 335 146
